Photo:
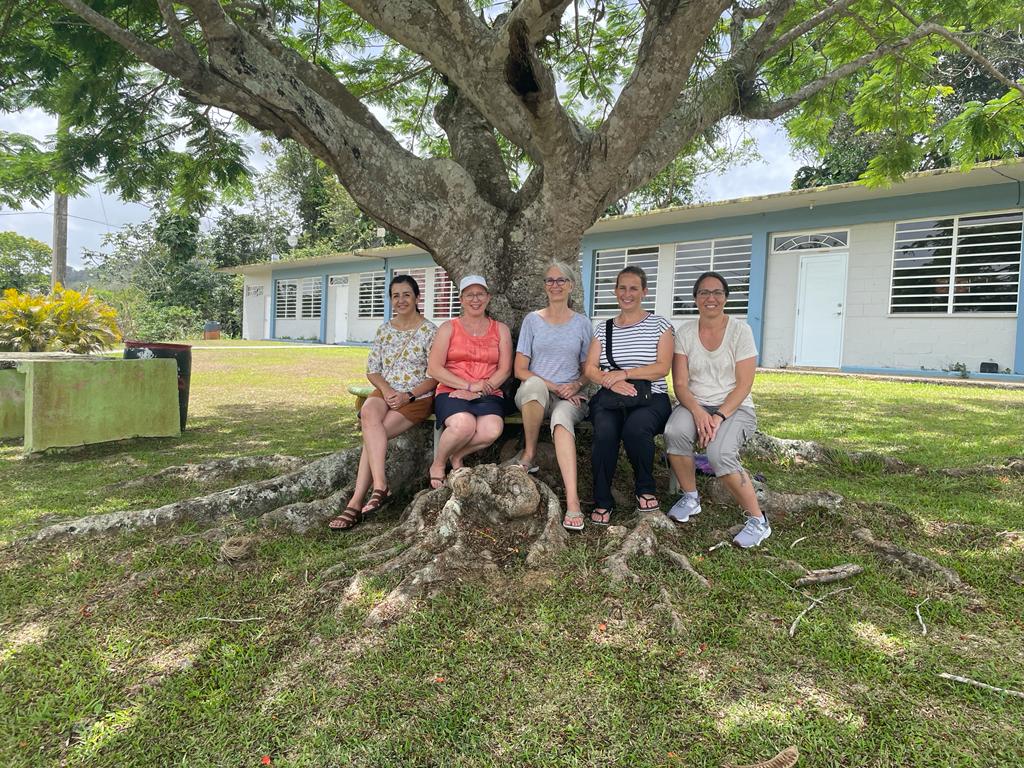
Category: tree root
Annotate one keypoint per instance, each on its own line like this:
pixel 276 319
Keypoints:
pixel 1012 466
pixel 785 759
pixel 919 564
pixel 317 479
pixel 485 519
pixel 829 575
pixel 642 540
pixel 681 562
pixel 217 469
pixel 676 624
pixel 770 448
pixel 780 505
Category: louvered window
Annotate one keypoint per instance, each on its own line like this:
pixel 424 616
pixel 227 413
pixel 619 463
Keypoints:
pixel 371 295
pixel 607 266
pixel 729 256
pixel 446 298
pixel 957 264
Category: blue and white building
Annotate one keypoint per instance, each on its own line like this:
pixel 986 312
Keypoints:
pixel 920 276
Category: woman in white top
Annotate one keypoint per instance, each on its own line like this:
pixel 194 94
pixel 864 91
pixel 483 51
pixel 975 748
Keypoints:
pixel 713 373
pixel 641 354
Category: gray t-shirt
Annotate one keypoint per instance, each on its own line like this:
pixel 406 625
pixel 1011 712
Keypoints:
pixel 555 350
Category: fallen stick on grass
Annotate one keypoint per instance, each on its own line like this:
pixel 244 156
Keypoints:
pixel 828 575
pixel 977 684
pixel 797 541
pixel 917 610
pixel 230 621
pixel 815 602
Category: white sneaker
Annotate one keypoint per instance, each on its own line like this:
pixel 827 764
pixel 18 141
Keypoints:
pixel 754 532
pixel 685 508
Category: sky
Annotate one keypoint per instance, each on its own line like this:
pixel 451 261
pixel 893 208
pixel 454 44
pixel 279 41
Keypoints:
pixel 96 213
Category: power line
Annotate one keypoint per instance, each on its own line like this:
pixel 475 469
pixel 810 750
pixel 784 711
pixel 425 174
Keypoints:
pixel 49 213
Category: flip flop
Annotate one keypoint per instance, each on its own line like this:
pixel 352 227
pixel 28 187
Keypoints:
pixel 574 514
pixel 647 497
pixel 605 513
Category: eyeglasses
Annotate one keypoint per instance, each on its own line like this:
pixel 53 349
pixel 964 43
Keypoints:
pixel 703 293
pixel 474 296
pixel 559 281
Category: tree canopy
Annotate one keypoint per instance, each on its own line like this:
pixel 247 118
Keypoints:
pixel 491 135
pixel 24 263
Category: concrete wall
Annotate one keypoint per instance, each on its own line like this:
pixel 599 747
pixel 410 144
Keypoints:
pixel 298 329
pixel 780 309
pixel 12 403
pixel 876 339
pixel 79 402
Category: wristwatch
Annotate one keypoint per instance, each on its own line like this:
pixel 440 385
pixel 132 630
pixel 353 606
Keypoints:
pixel 411 396
pixel 717 412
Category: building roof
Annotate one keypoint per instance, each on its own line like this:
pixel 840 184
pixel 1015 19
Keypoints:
pixel 941 180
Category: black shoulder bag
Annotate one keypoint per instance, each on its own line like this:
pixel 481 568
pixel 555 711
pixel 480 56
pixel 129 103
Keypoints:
pixel 612 399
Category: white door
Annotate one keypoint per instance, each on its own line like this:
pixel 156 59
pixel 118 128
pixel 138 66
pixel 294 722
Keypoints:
pixel 339 305
pixel 821 301
pixel 254 312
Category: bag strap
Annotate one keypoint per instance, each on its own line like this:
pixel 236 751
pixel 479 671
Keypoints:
pixel 608 344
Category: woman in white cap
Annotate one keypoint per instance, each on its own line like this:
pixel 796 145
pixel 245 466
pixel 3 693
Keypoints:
pixel 552 346
pixel 470 359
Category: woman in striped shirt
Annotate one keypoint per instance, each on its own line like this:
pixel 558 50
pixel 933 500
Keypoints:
pixel 641 347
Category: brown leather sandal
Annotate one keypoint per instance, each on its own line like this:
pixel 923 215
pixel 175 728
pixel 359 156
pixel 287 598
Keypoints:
pixel 351 517
pixel 378 499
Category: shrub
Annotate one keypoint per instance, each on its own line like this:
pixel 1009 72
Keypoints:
pixel 26 324
pixel 66 320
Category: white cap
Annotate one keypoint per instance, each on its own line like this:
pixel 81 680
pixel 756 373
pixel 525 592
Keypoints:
pixel 469 280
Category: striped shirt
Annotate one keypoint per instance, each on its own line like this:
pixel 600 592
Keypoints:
pixel 635 345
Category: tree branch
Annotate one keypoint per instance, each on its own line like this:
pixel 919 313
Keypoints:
pixel 182 46
pixel 985 64
pixel 541 17
pixel 475 147
pixel 806 26
pixel 774 109
pixel 161 59
pixel 673 35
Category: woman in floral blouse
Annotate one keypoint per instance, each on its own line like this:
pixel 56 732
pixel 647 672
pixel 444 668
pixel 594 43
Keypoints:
pixel 403 396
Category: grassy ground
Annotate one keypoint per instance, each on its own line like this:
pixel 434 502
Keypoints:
pixel 107 657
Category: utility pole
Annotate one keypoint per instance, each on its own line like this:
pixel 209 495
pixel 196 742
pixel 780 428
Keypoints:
pixel 59 269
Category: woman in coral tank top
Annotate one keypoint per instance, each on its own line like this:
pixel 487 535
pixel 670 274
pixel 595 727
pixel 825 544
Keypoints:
pixel 470 359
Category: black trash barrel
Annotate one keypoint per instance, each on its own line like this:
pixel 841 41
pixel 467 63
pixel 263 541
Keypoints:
pixel 182 354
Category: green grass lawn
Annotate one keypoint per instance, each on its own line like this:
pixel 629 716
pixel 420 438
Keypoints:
pixel 108 657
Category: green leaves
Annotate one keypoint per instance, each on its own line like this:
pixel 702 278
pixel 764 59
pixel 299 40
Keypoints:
pixel 66 320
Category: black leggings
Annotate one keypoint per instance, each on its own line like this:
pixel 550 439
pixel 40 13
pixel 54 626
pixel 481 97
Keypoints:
pixel 635 428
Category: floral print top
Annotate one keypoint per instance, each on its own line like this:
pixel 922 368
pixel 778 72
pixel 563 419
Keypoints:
pixel 401 356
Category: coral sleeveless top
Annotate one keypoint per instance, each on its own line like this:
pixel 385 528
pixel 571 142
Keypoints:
pixel 471 357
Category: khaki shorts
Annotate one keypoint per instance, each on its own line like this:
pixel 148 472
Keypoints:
pixel 559 412
pixel 724 451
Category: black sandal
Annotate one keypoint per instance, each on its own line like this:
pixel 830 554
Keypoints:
pixel 647 497
pixel 605 514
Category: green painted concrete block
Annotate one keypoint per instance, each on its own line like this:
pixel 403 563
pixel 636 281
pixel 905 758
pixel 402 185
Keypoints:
pixel 79 402
pixel 12 403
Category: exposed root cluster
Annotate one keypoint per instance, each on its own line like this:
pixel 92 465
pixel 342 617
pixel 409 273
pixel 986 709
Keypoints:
pixel 486 518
